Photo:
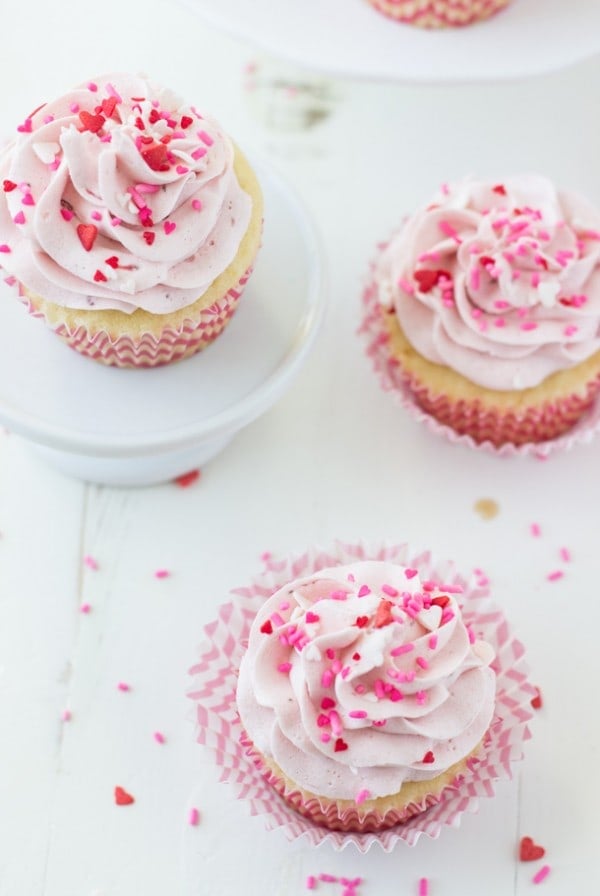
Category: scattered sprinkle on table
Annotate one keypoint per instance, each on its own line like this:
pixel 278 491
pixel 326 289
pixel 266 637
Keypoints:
pixel 193 817
pixel 541 875
pixel 85 608
pixel 123 686
pixel 487 508
pixel 424 887
pixel 90 562
pixel 187 479
pixel 530 851
pixel 555 575
pixel 66 715
pixel 159 737
pixel 536 701
pixel 122 798
pixel 162 574
pixel 535 530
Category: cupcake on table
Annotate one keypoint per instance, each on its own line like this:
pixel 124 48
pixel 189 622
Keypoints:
pixel 129 220
pixel 488 299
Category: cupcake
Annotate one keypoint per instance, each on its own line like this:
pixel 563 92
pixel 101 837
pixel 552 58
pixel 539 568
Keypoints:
pixel 439 13
pixel 129 220
pixel 363 694
pixel 488 299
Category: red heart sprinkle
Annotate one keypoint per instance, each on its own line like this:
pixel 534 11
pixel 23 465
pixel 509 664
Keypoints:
pixel 500 189
pixel 185 479
pixel 441 601
pixel 108 106
pixel 112 262
pixel 361 621
pixel 327 703
pixel 383 616
pixel 9 186
pixel 154 116
pixel 267 627
pixel 426 279
pixel 87 234
pixel 186 121
pixel 536 701
pixel 340 746
pixel 530 851
pixel 356 656
pixel 428 758
pixel 91 122
pixel 169 227
pixel 99 277
pixel 140 124
pixel 149 236
pixel 154 156
pixel 122 798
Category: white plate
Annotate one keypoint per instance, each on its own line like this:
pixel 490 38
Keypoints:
pixel 132 427
pixel 350 38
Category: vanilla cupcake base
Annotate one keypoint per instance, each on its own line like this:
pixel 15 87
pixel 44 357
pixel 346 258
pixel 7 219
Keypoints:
pixel 371 815
pixel 439 13
pixel 142 339
pixel 517 417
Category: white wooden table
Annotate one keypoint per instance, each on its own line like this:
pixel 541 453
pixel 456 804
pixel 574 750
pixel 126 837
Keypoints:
pixel 335 458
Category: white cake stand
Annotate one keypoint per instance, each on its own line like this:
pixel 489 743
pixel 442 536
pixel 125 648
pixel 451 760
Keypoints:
pixel 137 427
pixel 350 38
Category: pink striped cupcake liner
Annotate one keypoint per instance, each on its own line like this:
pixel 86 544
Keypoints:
pixel 219 728
pixel 428 14
pixel 564 424
pixel 173 344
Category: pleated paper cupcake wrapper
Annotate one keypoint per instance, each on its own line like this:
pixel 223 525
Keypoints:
pixel 456 421
pixel 220 729
pixel 149 350
pixel 428 14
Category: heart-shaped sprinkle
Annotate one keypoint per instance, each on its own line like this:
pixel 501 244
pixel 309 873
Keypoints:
pixel 536 701
pixel 312 617
pixel 87 234
pixel 186 121
pixel 169 227
pixel 181 169
pixel 364 590
pixel 327 703
pixel 25 128
pixel 361 621
pixel 8 186
pixel 66 213
pixel 529 851
pixel 27 199
pixel 356 656
pixel 91 122
pixel 155 156
pixel 122 798
pixel 440 601
pixel 149 236
pixel 5 248
pixel 108 106
pixel 19 218
pixel 410 573
pixel 99 277
pixel 383 616
pixel 153 116
pixel 186 479
pixel 340 745
pixel 267 627
pixel 499 189
pixel 112 262
pixel 430 618
pixel 428 758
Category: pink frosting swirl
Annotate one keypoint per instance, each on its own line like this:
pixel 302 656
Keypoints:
pixel 500 282
pixel 359 678
pixel 120 196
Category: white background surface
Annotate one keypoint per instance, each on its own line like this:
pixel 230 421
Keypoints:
pixel 334 458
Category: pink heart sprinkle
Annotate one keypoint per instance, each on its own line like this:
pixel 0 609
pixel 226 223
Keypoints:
pixel 169 227
pixel 410 573
pixel 27 199
pixel 19 218
pixel 67 215
pixel 25 128
pixel 196 204
pixel 96 216
pixel 181 169
pixel 4 248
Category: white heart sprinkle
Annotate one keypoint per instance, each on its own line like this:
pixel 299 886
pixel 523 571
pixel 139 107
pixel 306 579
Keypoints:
pixel 431 618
